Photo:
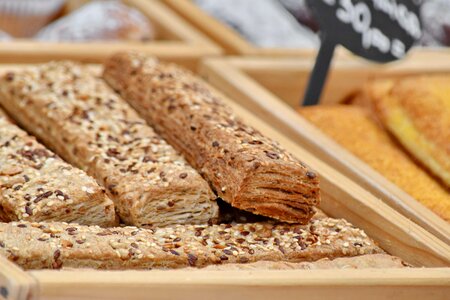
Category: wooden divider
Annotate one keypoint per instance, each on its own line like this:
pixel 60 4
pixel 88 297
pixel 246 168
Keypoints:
pixel 15 283
pixel 371 284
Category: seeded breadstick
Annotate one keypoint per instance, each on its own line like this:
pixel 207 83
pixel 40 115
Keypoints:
pixel 246 169
pixel 379 261
pixel 36 185
pixel 56 245
pixel 75 113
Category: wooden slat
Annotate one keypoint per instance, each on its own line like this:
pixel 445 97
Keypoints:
pixel 29 52
pixel 306 284
pixel 287 78
pixel 15 283
pixel 250 94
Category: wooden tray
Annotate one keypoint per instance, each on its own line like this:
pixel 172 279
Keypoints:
pixel 341 198
pixel 271 87
pixel 175 38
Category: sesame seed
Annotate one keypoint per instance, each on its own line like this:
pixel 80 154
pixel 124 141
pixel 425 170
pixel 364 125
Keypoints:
pixel 56 254
pixel 28 211
pixel 174 252
pixel 311 174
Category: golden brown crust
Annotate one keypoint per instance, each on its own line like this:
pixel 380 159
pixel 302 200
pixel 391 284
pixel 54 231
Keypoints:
pixel 75 113
pixel 416 110
pixel 36 185
pixel 56 245
pixel 246 169
pixel 354 129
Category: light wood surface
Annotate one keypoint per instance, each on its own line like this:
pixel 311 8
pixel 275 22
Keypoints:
pixel 287 78
pixel 15 283
pixel 341 198
pixel 231 79
pixel 176 40
pixel 395 284
pixel 26 52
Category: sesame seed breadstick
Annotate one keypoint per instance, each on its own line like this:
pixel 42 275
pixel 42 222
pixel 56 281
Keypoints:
pixel 246 169
pixel 36 185
pixel 56 245
pixel 75 113
pixel 378 261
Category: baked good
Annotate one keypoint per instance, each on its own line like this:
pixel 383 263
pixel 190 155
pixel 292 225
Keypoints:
pixel 378 261
pixel 354 129
pixel 99 21
pixel 36 185
pixel 416 110
pixel 56 245
pixel 77 115
pixel 245 168
pixel 23 18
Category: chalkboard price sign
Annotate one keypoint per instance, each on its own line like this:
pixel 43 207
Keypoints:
pixel 378 30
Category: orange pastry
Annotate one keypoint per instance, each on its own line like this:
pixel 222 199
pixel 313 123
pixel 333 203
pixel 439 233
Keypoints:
pixel 416 110
pixel 353 128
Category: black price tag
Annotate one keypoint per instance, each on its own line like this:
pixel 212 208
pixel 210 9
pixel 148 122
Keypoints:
pixel 378 30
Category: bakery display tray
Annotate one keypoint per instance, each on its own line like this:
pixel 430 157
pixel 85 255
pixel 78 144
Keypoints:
pixel 341 198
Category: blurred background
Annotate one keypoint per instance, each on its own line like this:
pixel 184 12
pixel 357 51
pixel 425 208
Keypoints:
pixel 263 23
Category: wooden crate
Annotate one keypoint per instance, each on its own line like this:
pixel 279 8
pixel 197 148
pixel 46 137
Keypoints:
pixel 229 39
pixel 175 38
pixel 271 87
pixel 341 198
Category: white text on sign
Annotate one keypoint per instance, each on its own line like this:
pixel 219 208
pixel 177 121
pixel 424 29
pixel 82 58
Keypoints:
pixel 360 17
